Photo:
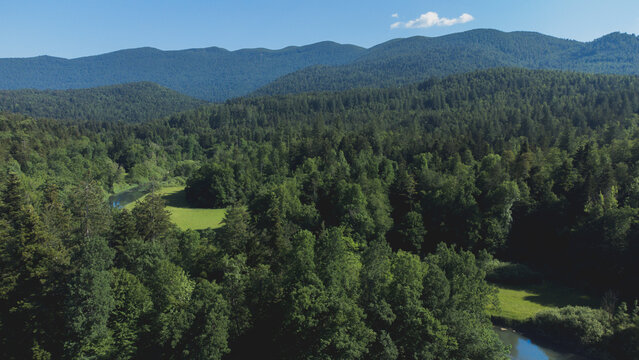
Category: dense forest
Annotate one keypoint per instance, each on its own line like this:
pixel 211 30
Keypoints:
pixel 359 224
pixel 135 102
pixel 211 74
pixel 405 61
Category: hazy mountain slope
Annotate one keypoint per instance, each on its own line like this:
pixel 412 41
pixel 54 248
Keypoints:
pixel 403 61
pixel 213 74
pixel 132 102
pixel 216 74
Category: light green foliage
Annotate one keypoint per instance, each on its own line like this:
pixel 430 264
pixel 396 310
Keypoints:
pixel 353 209
pixel 583 325
pixel 324 320
pixel 90 300
pixel 523 302
pixel 234 288
pixel 465 295
pixel 415 331
pixel 126 321
pixel 171 291
pixel 152 219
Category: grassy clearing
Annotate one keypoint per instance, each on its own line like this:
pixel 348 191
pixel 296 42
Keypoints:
pixel 523 302
pixel 183 215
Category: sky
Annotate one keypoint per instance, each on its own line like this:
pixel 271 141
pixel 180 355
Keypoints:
pixel 75 28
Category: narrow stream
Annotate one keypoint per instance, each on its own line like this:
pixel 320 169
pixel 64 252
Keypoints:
pixel 124 198
pixel 523 348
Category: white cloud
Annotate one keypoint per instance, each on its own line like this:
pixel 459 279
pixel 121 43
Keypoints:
pixel 431 18
pixel 395 15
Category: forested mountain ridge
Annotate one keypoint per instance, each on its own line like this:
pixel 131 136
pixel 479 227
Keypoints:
pixel 212 74
pixel 405 61
pixel 133 102
pixel 217 74
pixel 359 224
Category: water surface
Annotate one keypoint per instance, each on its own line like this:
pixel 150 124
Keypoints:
pixel 124 198
pixel 522 348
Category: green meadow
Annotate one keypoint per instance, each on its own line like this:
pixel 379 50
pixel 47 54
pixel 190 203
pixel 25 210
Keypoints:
pixel 183 215
pixel 523 302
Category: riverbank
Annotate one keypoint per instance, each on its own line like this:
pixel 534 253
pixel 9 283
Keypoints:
pixel 520 305
pixel 549 342
pixel 524 348
pixel 562 320
pixel 522 302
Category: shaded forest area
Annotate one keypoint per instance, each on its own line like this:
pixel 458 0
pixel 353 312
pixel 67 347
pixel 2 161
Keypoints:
pixel 134 102
pixel 359 224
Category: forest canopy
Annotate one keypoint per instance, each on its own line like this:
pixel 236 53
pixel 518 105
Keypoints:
pixel 359 224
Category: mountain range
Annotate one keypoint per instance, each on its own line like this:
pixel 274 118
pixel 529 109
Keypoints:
pixel 216 74
pixel 410 60
pixel 212 74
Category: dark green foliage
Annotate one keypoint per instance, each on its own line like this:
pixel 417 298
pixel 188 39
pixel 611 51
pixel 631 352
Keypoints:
pixel 512 274
pixel 152 219
pixel 582 325
pixel 368 219
pixel 134 102
pixel 90 300
pixel 236 236
pixel 207 337
pixel 33 267
pixel 213 186
pixel 88 208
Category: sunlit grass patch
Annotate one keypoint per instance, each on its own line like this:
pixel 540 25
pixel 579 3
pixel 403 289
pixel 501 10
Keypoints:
pixel 183 215
pixel 523 302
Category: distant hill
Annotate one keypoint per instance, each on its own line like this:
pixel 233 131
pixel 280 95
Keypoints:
pixel 212 74
pixel 404 61
pixel 133 102
pixel 216 74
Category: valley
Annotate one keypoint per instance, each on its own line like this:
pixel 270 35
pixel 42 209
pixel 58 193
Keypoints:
pixel 434 197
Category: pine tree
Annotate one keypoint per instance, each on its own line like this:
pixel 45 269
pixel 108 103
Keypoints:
pixel 33 266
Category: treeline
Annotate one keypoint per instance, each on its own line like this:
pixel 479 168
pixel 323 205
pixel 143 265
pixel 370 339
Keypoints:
pixel 212 74
pixel 610 331
pixel 601 333
pixel 406 61
pixel 134 102
pixel 324 192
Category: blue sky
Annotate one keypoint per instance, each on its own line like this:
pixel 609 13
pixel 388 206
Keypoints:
pixel 73 28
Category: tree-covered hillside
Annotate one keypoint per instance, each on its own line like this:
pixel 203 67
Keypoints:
pixel 405 61
pixel 133 102
pixel 359 224
pixel 212 74
pixel 216 74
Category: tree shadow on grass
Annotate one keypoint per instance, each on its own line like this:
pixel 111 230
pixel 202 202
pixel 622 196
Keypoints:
pixel 552 295
pixel 176 199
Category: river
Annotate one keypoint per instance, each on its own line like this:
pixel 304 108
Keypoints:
pixel 124 198
pixel 523 348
